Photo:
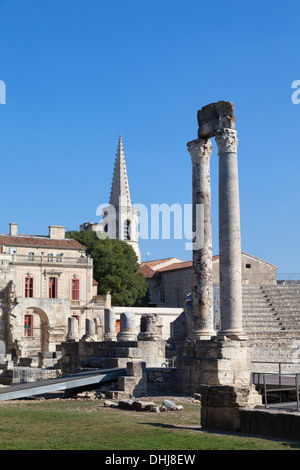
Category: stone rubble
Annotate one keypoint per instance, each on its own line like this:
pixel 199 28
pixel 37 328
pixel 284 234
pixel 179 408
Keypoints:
pixel 139 405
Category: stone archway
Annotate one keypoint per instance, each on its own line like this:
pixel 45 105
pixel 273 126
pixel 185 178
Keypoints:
pixel 30 331
pixel 37 334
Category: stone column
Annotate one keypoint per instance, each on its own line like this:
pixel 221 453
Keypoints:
pixel 203 315
pixel 229 237
pixel 2 352
pixel 90 331
pixel 127 327
pixel 72 329
pixel 150 328
pixel 109 325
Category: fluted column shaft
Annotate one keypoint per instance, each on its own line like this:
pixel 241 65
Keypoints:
pixel 203 318
pixel 229 236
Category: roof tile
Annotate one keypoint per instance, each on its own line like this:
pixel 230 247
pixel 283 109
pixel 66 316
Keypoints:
pixel 39 242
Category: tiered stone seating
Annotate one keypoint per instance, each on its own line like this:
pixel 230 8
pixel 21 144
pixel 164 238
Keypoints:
pixel 271 320
pixel 259 314
pixel 286 300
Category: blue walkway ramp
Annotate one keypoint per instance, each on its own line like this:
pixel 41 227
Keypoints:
pixel 82 379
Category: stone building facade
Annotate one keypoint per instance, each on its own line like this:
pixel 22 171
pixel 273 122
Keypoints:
pixel 44 280
pixel 170 280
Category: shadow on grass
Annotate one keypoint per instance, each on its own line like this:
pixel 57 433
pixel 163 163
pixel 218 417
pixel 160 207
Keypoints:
pixel 175 426
pixel 285 442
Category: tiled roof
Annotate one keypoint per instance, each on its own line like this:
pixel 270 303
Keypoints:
pixel 181 265
pixel 156 262
pixel 171 267
pixel 39 242
pixel 146 271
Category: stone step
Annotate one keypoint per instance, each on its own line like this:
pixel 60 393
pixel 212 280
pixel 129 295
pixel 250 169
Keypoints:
pixel 264 323
pixel 289 314
pixel 255 315
pixel 288 300
pixel 258 308
pixel 290 295
pixel 261 316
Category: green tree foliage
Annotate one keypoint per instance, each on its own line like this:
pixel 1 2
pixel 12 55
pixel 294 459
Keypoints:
pixel 115 267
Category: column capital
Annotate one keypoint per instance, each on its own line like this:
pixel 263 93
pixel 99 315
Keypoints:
pixel 227 141
pixel 200 149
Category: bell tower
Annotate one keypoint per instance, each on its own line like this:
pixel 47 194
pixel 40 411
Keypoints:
pixel 120 218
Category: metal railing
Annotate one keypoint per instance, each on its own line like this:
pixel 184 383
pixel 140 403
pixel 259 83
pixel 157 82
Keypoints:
pixel 283 386
pixel 277 382
pixel 278 365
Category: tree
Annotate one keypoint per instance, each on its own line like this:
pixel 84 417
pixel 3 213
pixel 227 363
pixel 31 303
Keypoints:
pixel 115 267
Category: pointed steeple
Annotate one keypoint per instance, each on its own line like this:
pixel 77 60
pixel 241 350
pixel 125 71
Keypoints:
pixel 120 193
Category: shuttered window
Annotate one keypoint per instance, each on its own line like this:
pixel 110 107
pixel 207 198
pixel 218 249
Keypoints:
pixel 52 287
pixel 28 286
pixel 75 289
pixel 28 325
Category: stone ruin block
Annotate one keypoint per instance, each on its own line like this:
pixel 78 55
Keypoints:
pixel 136 369
pixel 214 117
pixel 220 405
pixel 150 328
pixel 135 382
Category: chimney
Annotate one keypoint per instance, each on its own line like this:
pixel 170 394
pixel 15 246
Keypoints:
pixel 13 229
pixel 57 231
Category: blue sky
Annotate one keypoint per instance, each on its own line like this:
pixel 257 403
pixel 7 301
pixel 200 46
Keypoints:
pixel 79 72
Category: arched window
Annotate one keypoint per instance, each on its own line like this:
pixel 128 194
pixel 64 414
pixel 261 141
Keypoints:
pixel 127 230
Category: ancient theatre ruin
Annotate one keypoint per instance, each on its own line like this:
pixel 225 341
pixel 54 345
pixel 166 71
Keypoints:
pixel 217 363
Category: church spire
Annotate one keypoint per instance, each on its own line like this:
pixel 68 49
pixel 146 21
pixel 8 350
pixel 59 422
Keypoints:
pixel 120 193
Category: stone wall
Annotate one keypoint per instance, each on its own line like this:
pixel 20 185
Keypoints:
pixel 107 354
pixel 272 423
pixel 162 380
pixel 212 362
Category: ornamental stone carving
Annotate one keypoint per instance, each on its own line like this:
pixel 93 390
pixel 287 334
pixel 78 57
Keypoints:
pixel 200 150
pixel 227 141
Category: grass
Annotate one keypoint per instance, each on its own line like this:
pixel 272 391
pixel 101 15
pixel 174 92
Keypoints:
pixel 88 425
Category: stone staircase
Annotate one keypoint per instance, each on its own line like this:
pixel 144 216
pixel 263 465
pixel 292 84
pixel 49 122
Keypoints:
pixel 271 320
pixel 286 301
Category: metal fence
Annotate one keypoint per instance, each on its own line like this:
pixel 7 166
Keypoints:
pixel 286 383
pixel 277 383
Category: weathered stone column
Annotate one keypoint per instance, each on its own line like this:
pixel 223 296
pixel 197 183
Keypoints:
pixel 72 329
pixel 90 331
pixel 150 328
pixel 229 237
pixel 203 316
pixel 109 325
pixel 127 327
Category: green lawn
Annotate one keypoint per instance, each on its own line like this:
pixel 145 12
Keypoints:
pixel 88 425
